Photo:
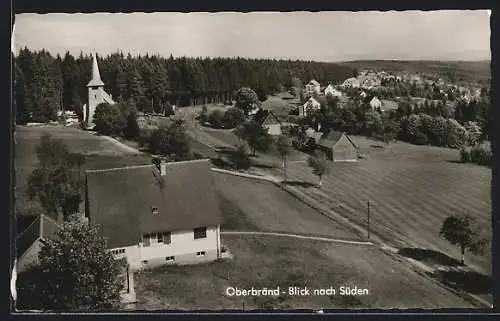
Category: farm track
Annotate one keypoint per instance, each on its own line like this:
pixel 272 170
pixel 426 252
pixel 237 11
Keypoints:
pixel 298 236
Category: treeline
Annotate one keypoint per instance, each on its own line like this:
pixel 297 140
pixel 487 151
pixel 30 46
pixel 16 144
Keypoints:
pixel 44 82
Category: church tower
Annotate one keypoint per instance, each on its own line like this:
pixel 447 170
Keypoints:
pixel 97 95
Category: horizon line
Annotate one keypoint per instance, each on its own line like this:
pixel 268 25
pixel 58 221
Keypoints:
pixel 118 51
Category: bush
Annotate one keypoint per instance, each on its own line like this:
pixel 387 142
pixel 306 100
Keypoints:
pixel 465 155
pixel 240 158
pixel 109 120
pixel 216 118
pixel 172 141
pixel 420 138
pixel 233 117
pixel 481 154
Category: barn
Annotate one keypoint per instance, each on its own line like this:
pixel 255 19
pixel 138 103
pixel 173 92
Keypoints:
pixel 338 147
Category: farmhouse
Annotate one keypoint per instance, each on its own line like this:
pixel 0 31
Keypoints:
pixel 310 105
pixel 388 105
pixel 338 147
pixel 153 215
pixel 29 242
pixel 269 121
pixel 351 83
pixel 375 103
pixel 331 91
pixel 96 94
pixel 313 87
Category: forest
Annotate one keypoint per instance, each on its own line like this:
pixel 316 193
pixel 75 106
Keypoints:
pixel 43 82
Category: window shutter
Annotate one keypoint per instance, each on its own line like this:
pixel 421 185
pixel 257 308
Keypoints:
pixel 145 240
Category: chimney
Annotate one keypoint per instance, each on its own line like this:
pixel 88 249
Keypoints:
pixel 163 167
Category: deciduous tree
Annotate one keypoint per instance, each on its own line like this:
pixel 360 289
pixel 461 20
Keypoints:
pixel 109 119
pixel 462 230
pixel 171 141
pixel 245 99
pixel 255 135
pixel 56 181
pixel 75 273
pixel 319 165
pixel 283 146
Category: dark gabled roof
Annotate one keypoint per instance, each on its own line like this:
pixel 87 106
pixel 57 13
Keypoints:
pixel 41 227
pixel 330 139
pixel 266 117
pixel 120 200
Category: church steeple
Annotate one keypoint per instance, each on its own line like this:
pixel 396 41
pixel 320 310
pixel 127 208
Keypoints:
pixel 96 76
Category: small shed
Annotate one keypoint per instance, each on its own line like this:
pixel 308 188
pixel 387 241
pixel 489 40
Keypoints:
pixel 338 147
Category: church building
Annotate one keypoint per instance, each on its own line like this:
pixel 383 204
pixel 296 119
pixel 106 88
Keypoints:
pixel 97 95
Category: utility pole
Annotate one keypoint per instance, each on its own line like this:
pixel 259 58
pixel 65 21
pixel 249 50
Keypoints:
pixel 368 221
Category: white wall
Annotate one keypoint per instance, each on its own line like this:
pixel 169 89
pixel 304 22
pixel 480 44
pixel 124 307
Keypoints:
pixel 30 257
pixel 183 247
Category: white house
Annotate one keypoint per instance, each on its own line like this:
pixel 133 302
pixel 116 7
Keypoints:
pixel 313 87
pixel 153 215
pixel 375 103
pixel 351 83
pixel 332 91
pixel 310 105
pixel 96 94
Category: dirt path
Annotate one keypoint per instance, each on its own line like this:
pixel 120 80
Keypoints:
pixel 298 236
pixel 121 145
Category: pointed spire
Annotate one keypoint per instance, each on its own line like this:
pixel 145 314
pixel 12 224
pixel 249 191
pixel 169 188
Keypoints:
pixel 96 76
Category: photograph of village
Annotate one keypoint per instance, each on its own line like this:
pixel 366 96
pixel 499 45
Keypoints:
pixel 252 161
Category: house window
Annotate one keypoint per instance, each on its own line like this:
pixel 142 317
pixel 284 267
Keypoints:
pixel 154 210
pixel 170 258
pixel 156 238
pixel 119 251
pixel 146 240
pixel 200 233
pixel 167 238
pixel 145 262
pixel 202 253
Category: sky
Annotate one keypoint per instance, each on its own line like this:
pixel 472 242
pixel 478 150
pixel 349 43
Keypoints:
pixel 319 36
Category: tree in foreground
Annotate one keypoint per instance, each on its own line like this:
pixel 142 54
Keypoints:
pixel 255 135
pixel 56 181
pixel 463 231
pixel 319 164
pixel 171 141
pixel 75 272
pixel 283 146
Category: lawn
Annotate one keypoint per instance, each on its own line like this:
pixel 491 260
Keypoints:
pixel 99 153
pixel 267 261
pixel 270 208
pixel 412 189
